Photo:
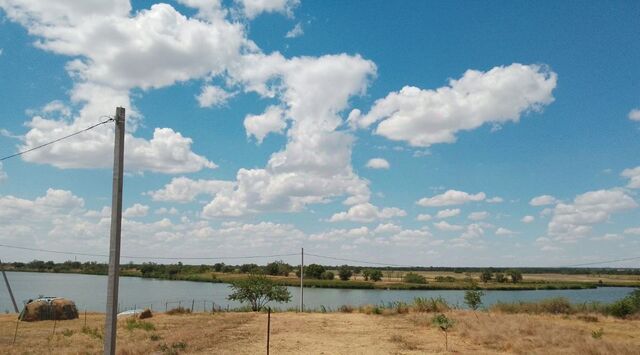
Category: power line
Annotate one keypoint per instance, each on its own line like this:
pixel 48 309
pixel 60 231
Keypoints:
pixel 603 262
pixel 57 140
pixel 147 257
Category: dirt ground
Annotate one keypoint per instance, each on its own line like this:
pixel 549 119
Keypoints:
pixel 330 333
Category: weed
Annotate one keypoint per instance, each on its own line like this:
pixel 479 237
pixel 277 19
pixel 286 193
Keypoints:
pixel 92 332
pixel 67 332
pixel 133 323
pixel 346 308
pixel 155 337
pixel 437 304
pixel 597 334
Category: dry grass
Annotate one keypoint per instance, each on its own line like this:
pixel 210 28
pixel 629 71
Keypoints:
pixel 330 333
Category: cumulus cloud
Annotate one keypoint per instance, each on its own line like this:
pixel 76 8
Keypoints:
pixel 252 8
pixel 478 216
pixel 137 210
pixel 447 213
pixel 634 114
pixel 543 200
pixel 183 189
pixel 528 219
pixel 212 96
pixel 366 212
pixel 447 227
pixel 271 121
pixel 315 165
pixel 504 232
pixel 425 117
pixel 451 197
pixel 112 52
pixel 424 217
pixel 634 177
pixel 608 237
pixel 634 231
pixel 296 31
pixel 495 199
pixel 571 221
pixel 378 163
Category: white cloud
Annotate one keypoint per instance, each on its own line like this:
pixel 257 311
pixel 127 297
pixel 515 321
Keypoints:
pixel 366 212
pixel 575 220
pixel 478 216
pixel 253 8
pixel 543 200
pixel 635 231
pixel 137 210
pixel 315 165
pixel 212 96
pixel 113 51
pixel 634 114
pixel 608 237
pixel 423 217
pixel 426 117
pixel 271 121
pixel 447 213
pixel 164 210
pixel 451 197
pixel 446 227
pixel 503 232
pixel 634 177
pixel 296 31
pixel 528 219
pixel 495 199
pixel 183 189
pixel 378 163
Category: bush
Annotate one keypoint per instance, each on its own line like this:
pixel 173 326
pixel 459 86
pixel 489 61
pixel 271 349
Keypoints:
pixel 133 323
pixel 345 272
pixel 473 298
pixel 557 305
pixel 486 276
pixel 437 304
pixel 414 278
pixel 445 279
pixel 375 275
pixel 500 277
pixel 346 309
pixel 515 275
pixel 621 308
pixel 327 275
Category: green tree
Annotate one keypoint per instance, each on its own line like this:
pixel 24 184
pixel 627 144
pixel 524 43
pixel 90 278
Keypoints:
pixel 375 275
pixel 327 275
pixel 365 274
pixel 486 276
pixel 258 290
pixel 500 277
pixel 441 321
pixel 473 297
pixel 345 272
pixel 314 271
pixel 515 275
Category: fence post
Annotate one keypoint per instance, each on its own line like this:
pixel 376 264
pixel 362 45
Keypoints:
pixel 85 317
pixel 268 327
pixel 16 332
pixel 166 305
pixel 192 304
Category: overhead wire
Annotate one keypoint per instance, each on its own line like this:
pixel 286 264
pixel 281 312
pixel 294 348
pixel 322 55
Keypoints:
pixel 57 140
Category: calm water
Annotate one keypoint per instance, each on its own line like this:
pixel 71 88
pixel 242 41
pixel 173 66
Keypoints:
pixel 88 291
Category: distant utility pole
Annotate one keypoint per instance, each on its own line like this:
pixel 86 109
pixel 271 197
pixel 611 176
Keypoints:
pixel 111 322
pixel 301 278
pixel 6 281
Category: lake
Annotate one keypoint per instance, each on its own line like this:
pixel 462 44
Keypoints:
pixel 89 293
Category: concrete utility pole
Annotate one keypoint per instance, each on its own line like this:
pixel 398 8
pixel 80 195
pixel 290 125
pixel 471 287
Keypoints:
pixel 111 321
pixel 6 281
pixel 301 279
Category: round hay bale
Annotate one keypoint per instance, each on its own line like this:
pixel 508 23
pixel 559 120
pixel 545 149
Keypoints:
pixel 145 314
pixel 49 309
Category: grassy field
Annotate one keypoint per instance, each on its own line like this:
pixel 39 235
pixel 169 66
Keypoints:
pixel 330 333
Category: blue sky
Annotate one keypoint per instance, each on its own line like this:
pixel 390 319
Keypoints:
pixel 457 133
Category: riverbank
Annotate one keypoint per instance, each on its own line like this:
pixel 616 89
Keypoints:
pixel 334 333
pixel 452 281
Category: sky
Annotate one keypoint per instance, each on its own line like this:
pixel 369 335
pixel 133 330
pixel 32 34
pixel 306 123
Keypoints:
pixel 459 133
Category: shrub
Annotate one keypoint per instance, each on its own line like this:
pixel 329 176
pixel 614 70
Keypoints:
pixel 500 277
pixel 346 308
pixel 133 323
pixel 437 304
pixel 621 308
pixel 597 334
pixel 345 272
pixel 441 321
pixel 375 275
pixel 473 298
pixel 327 275
pixel 414 278
pixel 445 279
pixel 486 276
pixel 515 275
